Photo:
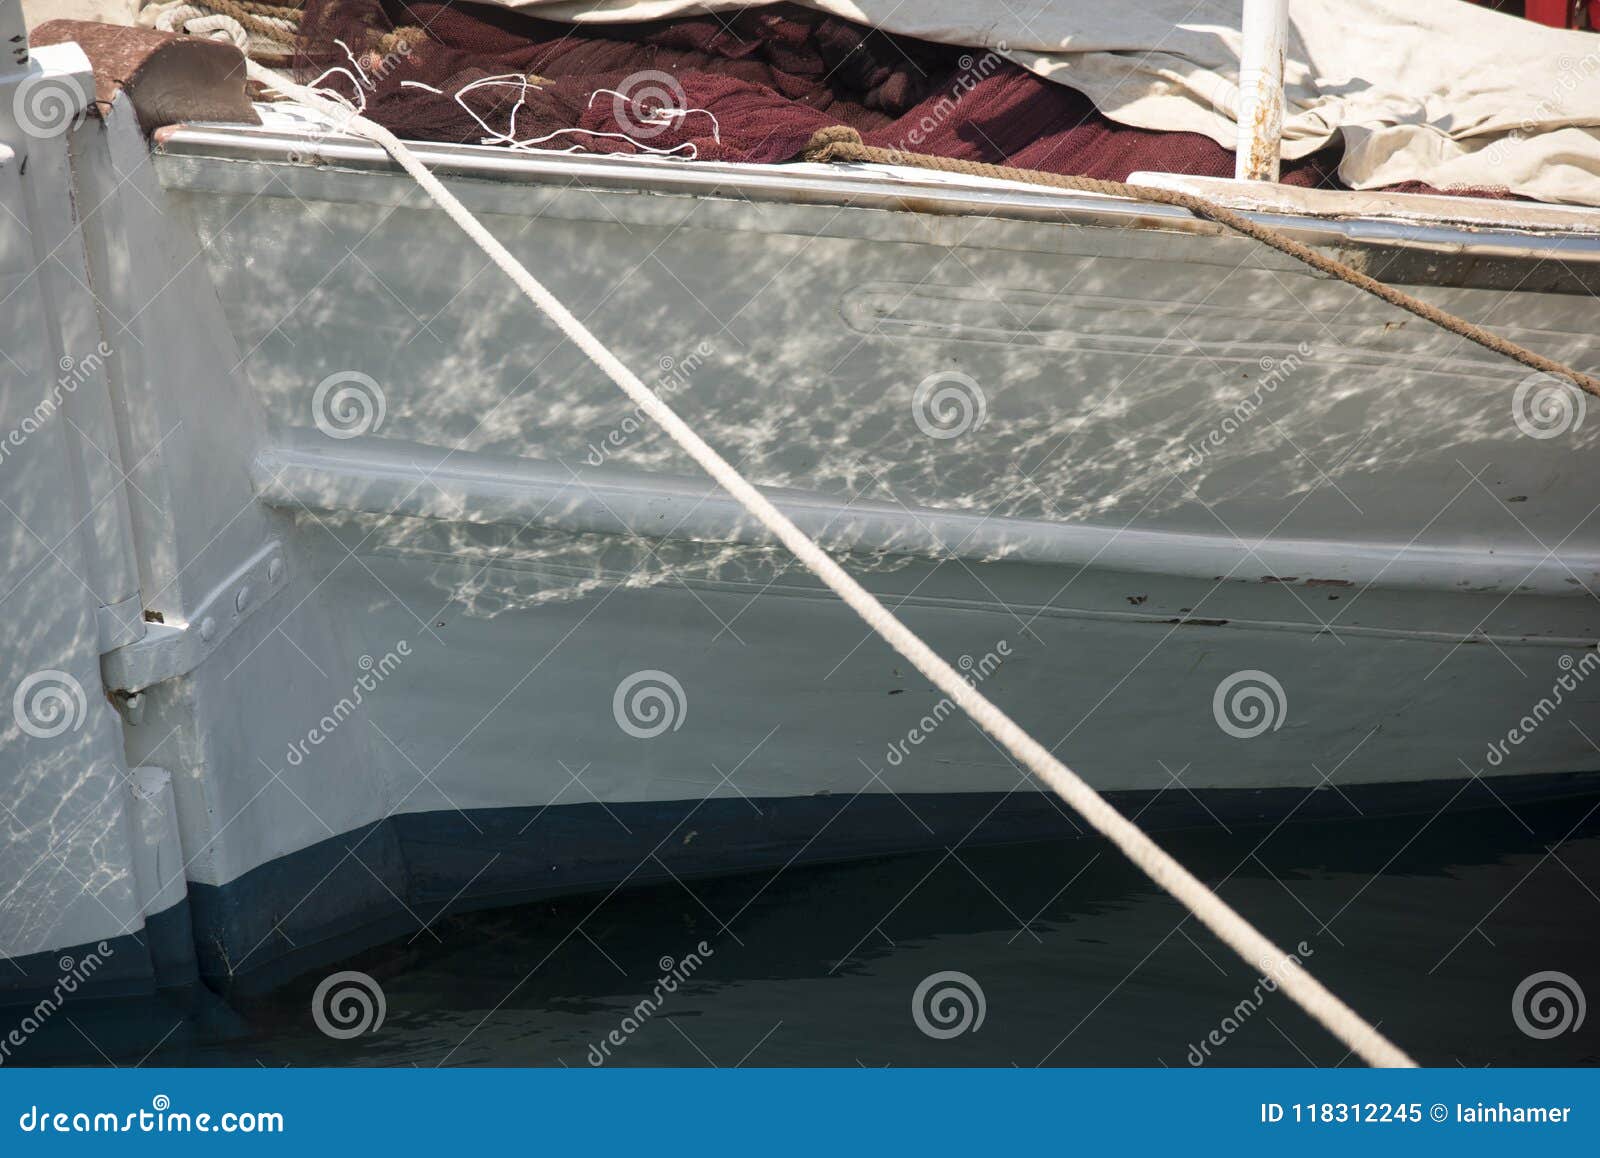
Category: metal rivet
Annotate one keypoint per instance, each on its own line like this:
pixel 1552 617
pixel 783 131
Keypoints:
pixel 208 628
pixel 242 600
pixel 274 570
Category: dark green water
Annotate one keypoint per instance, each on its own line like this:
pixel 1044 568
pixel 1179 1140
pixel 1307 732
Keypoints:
pixel 1425 925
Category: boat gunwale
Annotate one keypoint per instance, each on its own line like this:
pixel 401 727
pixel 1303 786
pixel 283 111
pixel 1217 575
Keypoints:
pixel 896 188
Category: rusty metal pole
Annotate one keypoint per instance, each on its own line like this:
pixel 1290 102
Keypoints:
pixel 1266 32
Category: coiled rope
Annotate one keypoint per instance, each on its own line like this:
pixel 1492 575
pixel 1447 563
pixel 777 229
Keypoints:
pixel 255 28
pixel 842 143
pixel 1232 929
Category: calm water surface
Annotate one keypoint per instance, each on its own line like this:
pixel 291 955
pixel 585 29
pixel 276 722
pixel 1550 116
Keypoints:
pixel 1426 925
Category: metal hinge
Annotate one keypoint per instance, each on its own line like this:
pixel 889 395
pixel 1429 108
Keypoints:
pixel 169 650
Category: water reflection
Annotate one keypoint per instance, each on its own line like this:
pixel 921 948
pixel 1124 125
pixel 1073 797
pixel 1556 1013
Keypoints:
pixel 1426 926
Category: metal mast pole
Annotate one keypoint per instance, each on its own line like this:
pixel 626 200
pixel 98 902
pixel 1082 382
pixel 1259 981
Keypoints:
pixel 1266 32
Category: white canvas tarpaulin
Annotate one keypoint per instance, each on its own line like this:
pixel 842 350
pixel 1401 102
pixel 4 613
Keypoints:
pixel 1438 91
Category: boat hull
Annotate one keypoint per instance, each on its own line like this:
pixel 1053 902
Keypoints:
pixel 397 878
pixel 433 620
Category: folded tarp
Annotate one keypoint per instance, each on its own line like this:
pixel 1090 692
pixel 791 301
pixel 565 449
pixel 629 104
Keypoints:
pixel 1437 92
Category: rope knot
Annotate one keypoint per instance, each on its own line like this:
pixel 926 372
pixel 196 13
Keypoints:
pixel 835 142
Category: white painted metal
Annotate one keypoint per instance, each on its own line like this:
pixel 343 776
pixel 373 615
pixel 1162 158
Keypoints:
pixel 306 470
pixel 157 851
pixel 189 427
pixel 477 499
pixel 82 354
pixel 13 38
pixel 504 541
pixel 179 413
pixel 1319 217
pixel 1264 37
pixel 169 650
pixel 67 846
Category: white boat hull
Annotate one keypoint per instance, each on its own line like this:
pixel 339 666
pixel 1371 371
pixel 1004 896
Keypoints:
pixel 490 638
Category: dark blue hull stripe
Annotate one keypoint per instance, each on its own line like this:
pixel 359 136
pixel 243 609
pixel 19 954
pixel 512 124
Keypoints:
pixel 356 890
pixel 502 856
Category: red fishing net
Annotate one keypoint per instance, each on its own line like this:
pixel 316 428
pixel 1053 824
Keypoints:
pixel 747 86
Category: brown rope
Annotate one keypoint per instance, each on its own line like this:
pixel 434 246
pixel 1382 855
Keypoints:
pixel 281 11
pixel 256 17
pixel 842 143
pixel 402 40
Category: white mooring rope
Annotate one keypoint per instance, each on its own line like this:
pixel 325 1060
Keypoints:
pixel 1236 932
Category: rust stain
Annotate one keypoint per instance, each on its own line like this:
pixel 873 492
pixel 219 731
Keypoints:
pixel 1329 583
pixel 1266 128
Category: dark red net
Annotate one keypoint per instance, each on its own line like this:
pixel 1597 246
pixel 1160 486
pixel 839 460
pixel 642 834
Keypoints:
pixel 748 86
pixel 757 85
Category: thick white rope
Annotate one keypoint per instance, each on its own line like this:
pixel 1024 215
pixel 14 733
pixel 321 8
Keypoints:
pixel 1237 933
pixel 198 19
